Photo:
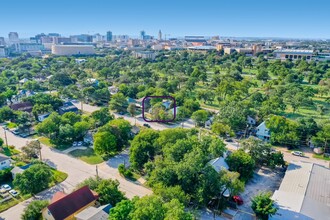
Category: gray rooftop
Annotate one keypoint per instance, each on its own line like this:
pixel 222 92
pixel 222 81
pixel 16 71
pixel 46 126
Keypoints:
pixel 3 157
pixel 304 192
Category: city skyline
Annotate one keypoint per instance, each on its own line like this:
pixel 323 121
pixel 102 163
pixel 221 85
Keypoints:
pixel 274 19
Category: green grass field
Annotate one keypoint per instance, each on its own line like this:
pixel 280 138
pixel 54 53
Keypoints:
pixel 87 156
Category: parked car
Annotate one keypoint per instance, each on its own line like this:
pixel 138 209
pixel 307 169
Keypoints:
pixel 297 153
pixel 3 193
pixel 238 200
pixel 229 140
pixel 147 125
pixel 6 187
pixel 13 192
pixel 80 143
pixel 35 156
pixel 75 144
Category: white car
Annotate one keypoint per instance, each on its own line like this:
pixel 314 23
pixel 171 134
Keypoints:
pixel 6 187
pixel 298 153
pixel 80 143
pixel 75 144
pixel 13 192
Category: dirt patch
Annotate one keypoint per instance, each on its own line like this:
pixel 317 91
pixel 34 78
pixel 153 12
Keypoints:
pixel 264 179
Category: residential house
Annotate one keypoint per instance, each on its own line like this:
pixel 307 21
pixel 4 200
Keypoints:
pixel 17 170
pixel 113 90
pixel 219 163
pixel 4 161
pixel 263 132
pixel 93 213
pixel 166 103
pixel 65 207
pixel 251 121
pixel 135 130
pixel 92 81
pixel 68 107
pixel 22 81
pixel 42 117
pixel 22 106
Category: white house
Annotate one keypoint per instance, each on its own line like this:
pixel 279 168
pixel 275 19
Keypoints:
pixel 4 162
pixel 42 117
pixel 263 132
pixel 219 163
pixel 251 121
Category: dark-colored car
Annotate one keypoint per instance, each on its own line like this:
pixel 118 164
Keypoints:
pixel 238 200
pixel 147 125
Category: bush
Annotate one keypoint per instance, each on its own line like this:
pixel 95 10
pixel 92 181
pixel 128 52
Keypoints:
pixel 5 175
pixel 124 171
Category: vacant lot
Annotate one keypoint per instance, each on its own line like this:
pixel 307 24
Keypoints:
pixel 264 179
pixel 87 156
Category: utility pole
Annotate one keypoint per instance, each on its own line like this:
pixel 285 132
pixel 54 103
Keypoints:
pixel 39 149
pixel 5 136
pixel 97 173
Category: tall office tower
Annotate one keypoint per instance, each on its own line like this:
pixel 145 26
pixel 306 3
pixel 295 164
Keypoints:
pixel 109 36
pixel 142 35
pixel 13 37
pixel 14 40
pixel 160 35
pixel 2 41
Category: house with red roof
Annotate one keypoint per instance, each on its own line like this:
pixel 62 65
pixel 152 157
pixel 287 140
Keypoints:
pixel 65 207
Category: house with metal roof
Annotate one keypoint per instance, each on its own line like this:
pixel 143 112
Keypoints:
pixel 304 193
pixel 65 207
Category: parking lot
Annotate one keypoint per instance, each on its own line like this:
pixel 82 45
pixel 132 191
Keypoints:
pixel 264 179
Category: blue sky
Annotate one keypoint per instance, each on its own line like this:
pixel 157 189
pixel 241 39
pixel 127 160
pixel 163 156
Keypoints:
pixel 240 18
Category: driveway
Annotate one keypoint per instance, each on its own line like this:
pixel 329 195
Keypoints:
pixel 264 180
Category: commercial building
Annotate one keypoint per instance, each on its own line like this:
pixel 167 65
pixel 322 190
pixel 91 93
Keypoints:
pixel 2 41
pixel 285 54
pixel 81 38
pixel 14 40
pixel 2 51
pixel 304 193
pixel 145 54
pixel 31 47
pixel 160 35
pixel 109 36
pixel 68 50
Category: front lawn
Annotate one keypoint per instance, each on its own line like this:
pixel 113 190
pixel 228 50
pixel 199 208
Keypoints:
pixel 9 151
pixel 58 177
pixel 46 141
pixel 87 156
pixel 321 156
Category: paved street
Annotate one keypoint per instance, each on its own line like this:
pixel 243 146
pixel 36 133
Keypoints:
pixel 287 155
pixel 77 171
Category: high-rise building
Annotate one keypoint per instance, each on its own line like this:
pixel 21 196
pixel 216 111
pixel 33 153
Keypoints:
pixel 82 38
pixel 160 35
pixel 2 41
pixel 14 40
pixel 142 35
pixel 109 36
pixel 13 37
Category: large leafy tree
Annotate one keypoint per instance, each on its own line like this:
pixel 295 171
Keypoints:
pixel 34 209
pixel 122 210
pixel 142 148
pixel 105 143
pixel 102 116
pixel 34 179
pixel 118 102
pixel 263 206
pixel 241 162
pixel 31 149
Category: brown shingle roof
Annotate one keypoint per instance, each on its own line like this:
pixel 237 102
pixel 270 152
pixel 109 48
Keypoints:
pixel 22 106
pixel 71 203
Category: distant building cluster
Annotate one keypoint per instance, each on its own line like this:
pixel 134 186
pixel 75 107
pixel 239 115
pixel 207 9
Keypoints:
pixel 146 46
